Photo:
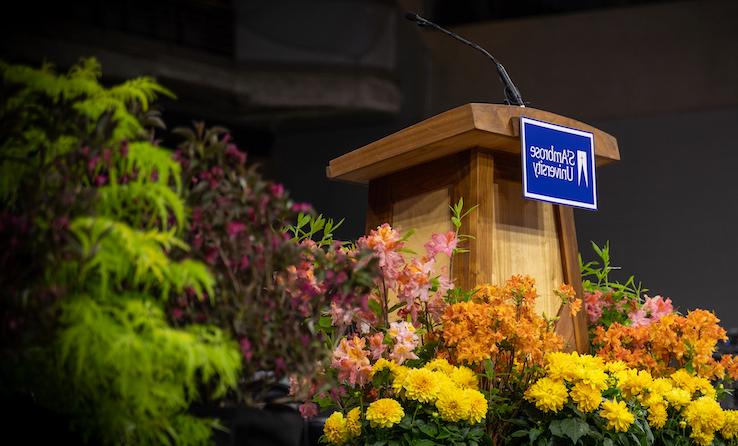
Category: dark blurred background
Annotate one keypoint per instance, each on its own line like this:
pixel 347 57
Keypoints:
pixel 300 82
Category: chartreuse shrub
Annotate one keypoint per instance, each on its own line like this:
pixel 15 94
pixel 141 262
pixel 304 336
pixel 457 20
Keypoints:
pixel 92 249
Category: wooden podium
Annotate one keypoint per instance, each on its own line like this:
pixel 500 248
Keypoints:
pixel 473 151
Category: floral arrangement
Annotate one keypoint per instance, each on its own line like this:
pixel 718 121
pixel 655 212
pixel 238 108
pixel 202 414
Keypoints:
pixel 585 399
pixel 673 342
pixel 440 365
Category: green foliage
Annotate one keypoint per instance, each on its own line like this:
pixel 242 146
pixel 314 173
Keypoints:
pixel 621 297
pixel 576 428
pixel 309 226
pixel 47 115
pixel 115 254
pixel 457 215
pixel 104 208
pixel 139 370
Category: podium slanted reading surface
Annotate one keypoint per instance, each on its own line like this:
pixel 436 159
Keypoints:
pixel 473 152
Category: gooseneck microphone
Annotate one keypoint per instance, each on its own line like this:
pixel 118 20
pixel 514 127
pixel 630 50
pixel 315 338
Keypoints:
pixel 512 94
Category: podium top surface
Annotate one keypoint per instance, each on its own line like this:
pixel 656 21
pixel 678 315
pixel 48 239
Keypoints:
pixel 491 126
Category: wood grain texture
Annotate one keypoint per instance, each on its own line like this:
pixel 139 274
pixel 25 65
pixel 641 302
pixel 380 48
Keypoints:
pixel 490 126
pixel 525 241
pixel 572 328
pixel 475 187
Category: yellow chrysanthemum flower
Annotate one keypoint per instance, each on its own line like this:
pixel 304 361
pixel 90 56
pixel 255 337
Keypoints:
pixel 477 405
pixel 464 377
pixel 440 365
pixel 730 426
pixel 399 372
pixel 705 416
pixel 633 382
pixel 618 417
pixel 384 413
pixel 615 366
pixel 353 422
pixel 547 394
pixel 452 405
pixel 335 429
pixel 586 397
pixel 657 415
pixel 383 364
pixel 693 384
pixel 678 397
pixel 421 385
pixel 702 438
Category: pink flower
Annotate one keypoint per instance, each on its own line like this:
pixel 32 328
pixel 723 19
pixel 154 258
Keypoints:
pixel 235 227
pixel 376 345
pixel 246 349
pixel 414 281
pixel 403 333
pixel 658 307
pixel 386 243
pixel 342 317
pixel 236 154
pixel 593 304
pixel 277 190
pixel 653 309
pixel 308 410
pixel 639 319
pixel 445 243
pixel 352 362
pixel 301 207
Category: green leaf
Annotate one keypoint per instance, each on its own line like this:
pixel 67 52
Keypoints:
pixel 574 428
pixel 428 429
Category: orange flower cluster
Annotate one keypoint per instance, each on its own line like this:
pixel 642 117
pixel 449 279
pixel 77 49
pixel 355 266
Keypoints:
pixel 668 344
pixel 499 324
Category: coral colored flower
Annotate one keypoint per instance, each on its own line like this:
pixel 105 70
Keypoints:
pixel 618 417
pixel 384 413
pixel 352 362
pixel 442 243
pixel 376 345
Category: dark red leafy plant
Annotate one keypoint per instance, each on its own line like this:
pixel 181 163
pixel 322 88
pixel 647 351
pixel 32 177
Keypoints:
pixel 273 292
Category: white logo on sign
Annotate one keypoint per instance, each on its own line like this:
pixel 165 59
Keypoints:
pixel 582 167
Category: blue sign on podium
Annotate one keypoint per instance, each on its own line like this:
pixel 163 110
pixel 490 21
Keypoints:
pixel 558 164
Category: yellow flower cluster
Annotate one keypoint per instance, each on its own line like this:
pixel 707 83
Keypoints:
pixel 582 379
pixel 585 375
pixel 339 430
pixel 452 390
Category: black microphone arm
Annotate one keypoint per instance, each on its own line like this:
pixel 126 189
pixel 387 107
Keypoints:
pixel 512 94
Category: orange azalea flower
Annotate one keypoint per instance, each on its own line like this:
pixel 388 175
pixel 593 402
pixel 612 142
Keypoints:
pixel 500 324
pixel 668 344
